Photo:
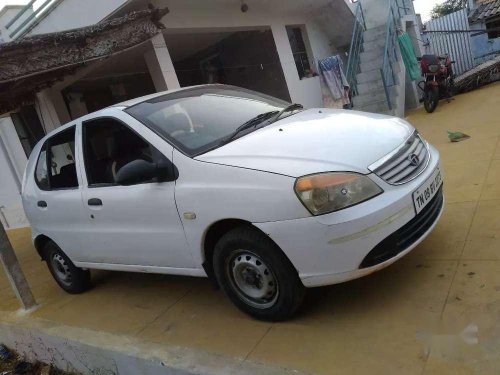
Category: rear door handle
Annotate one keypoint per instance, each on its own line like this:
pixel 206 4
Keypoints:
pixel 94 202
pixel 42 204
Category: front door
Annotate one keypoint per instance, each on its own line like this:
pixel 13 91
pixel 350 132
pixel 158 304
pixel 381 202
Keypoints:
pixel 135 225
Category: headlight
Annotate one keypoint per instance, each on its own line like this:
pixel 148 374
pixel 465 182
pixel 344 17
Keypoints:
pixel 329 192
pixel 433 68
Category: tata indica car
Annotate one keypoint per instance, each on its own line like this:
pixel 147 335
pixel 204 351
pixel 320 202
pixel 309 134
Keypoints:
pixel 262 196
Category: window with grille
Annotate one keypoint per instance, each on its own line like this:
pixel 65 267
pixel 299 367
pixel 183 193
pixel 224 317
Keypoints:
pixel 300 55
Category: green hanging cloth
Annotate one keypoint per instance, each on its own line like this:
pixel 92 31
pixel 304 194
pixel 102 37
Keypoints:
pixel 409 57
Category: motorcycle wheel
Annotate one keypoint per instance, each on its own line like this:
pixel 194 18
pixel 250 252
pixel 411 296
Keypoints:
pixel 431 99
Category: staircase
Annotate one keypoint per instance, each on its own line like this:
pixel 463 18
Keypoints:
pixel 376 72
pixel 371 93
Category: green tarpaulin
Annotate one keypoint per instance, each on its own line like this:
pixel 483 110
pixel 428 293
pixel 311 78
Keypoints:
pixel 409 57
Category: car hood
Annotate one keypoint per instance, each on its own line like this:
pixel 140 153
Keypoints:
pixel 315 140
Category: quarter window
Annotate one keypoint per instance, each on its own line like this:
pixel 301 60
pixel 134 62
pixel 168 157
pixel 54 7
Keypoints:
pixel 108 146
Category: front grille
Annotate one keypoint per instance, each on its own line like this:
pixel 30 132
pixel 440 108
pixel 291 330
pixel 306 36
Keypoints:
pixel 407 235
pixel 407 163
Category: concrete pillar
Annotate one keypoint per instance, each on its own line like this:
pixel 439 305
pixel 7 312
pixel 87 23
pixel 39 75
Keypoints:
pixel 14 149
pixel 287 62
pixel 77 105
pixel 47 111
pixel 60 106
pixel 160 65
pixel 12 164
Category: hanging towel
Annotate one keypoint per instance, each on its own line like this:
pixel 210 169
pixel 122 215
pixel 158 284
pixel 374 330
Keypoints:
pixel 332 73
pixel 409 58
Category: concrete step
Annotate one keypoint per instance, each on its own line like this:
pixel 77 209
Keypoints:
pixel 373 96
pixel 375 45
pixel 374 56
pixel 371 65
pixel 375 33
pixel 371 75
pixel 374 107
pixel 368 87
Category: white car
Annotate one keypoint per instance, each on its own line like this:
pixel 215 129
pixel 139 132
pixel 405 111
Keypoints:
pixel 263 197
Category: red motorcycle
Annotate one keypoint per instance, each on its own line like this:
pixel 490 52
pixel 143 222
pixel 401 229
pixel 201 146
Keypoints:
pixel 438 83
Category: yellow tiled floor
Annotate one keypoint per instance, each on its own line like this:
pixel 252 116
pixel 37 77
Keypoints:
pixel 436 311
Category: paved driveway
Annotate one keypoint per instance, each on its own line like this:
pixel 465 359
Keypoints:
pixel 436 311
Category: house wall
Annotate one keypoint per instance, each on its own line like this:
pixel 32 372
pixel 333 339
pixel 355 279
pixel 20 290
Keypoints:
pixel 377 11
pixel 483 47
pixel 71 14
pixel 12 163
pixel 184 16
pixel 6 15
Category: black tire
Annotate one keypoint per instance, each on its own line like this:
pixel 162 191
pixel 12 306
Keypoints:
pixel 247 257
pixel 431 99
pixel 76 281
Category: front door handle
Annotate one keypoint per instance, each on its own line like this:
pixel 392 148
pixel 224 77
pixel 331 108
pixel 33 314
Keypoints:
pixel 95 202
pixel 42 204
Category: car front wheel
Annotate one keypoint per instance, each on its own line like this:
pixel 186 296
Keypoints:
pixel 72 279
pixel 256 275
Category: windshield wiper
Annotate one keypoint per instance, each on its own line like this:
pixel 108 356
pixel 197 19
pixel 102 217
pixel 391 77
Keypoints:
pixel 253 122
pixel 291 107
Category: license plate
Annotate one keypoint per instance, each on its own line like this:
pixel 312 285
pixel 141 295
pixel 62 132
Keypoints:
pixel 424 194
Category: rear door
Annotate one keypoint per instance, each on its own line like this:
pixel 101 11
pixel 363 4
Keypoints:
pixel 55 207
pixel 135 225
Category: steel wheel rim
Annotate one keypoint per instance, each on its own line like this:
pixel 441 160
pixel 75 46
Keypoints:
pixel 61 269
pixel 252 280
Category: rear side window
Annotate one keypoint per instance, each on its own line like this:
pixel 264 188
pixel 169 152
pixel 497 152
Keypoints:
pixel 56 167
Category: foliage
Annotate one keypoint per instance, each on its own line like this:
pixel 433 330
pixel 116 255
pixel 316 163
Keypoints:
pixel 447 7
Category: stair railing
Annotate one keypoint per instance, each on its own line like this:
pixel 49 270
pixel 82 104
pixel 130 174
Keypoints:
pixel 353 63
pixel 397 9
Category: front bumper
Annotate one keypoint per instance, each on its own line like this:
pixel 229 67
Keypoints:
pixel 357 241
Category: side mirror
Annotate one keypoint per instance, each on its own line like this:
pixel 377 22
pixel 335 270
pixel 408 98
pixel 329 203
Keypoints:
pixel 138 171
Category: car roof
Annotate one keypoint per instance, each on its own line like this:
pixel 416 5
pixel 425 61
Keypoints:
pixel 132 102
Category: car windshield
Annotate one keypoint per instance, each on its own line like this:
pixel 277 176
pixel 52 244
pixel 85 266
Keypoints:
pixel 203 118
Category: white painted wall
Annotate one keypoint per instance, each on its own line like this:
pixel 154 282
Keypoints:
pixel 8 13
pixel 12 164
pixel 184 16
pixel 72 14
pixel 376 12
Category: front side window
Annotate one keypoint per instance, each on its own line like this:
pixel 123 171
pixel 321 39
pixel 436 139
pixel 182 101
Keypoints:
pixel 198 120
pixel 108 146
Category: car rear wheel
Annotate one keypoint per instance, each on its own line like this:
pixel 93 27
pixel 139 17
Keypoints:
pixel 72 279
pixel 256 275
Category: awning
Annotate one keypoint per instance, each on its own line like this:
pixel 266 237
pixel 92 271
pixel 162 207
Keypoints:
pixel 30 64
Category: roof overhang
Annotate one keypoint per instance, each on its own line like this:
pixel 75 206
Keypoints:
pixel 30 64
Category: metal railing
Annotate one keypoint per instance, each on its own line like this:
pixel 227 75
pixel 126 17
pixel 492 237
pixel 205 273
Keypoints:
pixel 353 63
pixel 397 9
